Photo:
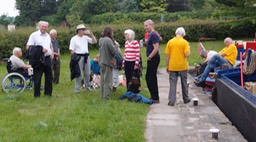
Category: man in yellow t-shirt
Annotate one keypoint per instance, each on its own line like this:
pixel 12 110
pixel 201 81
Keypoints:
pixel 226 56
pixel 177 50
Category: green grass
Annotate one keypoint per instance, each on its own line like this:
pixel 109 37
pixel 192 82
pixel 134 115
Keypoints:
pixel 71 117
pixel 78 117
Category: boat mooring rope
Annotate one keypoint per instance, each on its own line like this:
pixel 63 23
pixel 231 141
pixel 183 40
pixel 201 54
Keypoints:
pixel 251 67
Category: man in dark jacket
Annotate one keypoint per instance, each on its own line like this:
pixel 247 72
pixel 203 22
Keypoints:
pixel 74 66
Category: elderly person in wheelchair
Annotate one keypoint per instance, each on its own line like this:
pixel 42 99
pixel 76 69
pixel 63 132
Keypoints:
pixel 16 64
pixel 15 81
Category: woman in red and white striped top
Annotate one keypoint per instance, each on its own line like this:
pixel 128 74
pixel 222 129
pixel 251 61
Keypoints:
pixel 131 55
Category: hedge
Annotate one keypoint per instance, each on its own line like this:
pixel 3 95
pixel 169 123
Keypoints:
pixel 141 16
pixel 194 30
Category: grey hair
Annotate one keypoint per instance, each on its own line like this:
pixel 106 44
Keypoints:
pixel 228 39
pixel 53 31
pixel 180 31
pixel 43 22
pixel 149 21
pixel 16 50
pixel 131 34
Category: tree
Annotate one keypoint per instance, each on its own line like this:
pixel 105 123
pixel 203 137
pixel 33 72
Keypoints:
pixel 127 6
pixel 31 11
pixel 243 8
pixel 177 5
pixel 5 20
pixel 232 3
pixel 48 7
pixel 154 5
pixel 197 4
pixel 88 8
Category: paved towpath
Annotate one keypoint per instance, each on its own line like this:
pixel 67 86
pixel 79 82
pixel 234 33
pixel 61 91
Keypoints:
pixel 187 123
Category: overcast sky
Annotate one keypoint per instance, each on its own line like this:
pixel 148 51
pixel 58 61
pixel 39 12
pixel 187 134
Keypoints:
pixel 8 7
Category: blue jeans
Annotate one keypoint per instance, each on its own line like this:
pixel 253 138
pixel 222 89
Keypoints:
pixel 215 61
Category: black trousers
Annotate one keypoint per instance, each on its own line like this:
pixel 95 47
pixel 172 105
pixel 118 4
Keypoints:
pixel 38 73
pixel 128 69
pixel 151 77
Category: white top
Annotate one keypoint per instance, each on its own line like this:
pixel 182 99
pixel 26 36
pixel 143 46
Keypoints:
pixel 80 44
pixel 16 62
pixel 210 54
pixel 38 38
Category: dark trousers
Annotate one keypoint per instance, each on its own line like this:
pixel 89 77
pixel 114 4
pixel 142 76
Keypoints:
pixel 56 70
pixel 38 72
pixel 129 69
pixel 151 77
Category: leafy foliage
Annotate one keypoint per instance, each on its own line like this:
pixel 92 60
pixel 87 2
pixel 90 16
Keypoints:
pixel 127 6
pixel 154 5
pixel 5 20
pixel 178 5
pixel 195 29
pixel 71 12
pixel 33 11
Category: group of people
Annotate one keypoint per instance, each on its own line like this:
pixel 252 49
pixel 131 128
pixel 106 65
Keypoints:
pixel 177 52
pixel 44 53
pixel 104 63
pixel 227 56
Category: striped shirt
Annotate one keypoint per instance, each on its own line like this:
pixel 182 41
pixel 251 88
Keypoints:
pixel 132 52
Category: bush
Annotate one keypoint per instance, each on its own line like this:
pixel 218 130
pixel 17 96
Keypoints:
pixel 139 17
pixel 195 29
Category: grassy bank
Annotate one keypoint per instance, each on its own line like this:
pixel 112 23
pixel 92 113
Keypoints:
pixel 70 117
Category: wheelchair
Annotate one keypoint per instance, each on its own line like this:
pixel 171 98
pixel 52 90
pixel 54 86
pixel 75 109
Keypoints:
pixel 14 81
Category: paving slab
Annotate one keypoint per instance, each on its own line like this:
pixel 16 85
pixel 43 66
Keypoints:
pixel 185 122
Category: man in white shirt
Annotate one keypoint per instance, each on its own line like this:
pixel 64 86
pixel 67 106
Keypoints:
pixel 17 63
pixel 207 54
pixel 79 46
pixel 42 38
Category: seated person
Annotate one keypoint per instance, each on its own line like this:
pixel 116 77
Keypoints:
pixel 17 64
pixel 95 67
pixel 207 55
pixel 226 56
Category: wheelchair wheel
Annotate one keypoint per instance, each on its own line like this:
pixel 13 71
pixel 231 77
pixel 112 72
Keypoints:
pixel 13 83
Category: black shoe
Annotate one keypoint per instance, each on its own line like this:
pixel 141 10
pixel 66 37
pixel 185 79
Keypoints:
pixel 170 104
pixel 187 101
pixel 156 101
pixel 199 84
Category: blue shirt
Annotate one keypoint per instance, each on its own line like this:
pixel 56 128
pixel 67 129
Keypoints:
pixel 153 38
pixel 95 67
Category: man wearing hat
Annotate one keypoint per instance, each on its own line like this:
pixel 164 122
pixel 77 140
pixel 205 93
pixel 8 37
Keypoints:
pixel 79 45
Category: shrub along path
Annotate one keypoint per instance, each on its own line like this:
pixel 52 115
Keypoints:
pixel 187 123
